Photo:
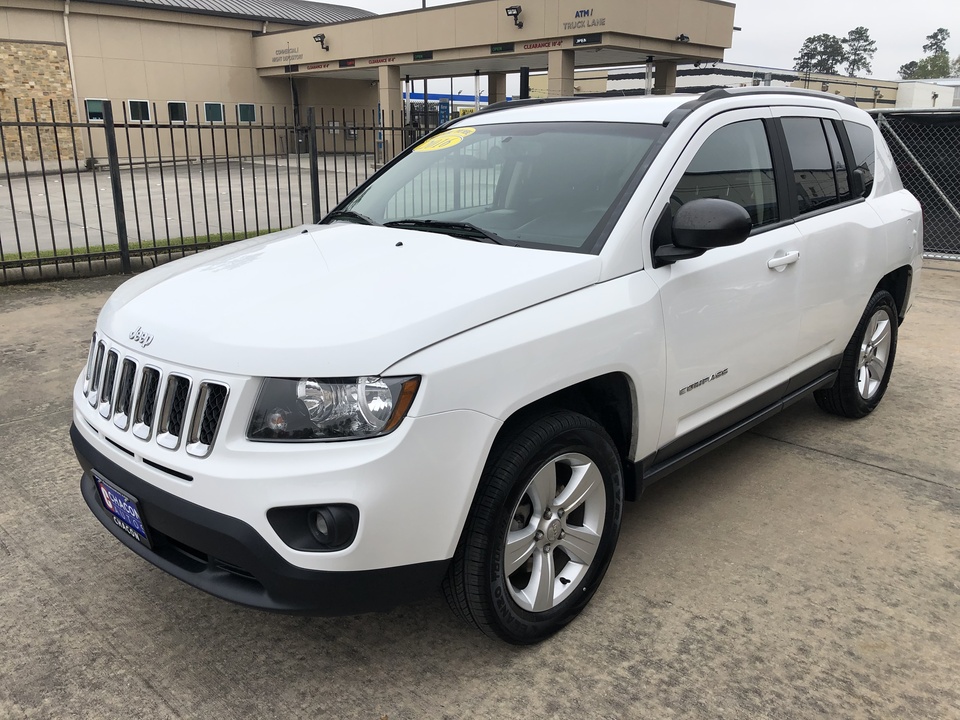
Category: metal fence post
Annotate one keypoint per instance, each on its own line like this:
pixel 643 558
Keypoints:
pixel 114 162
pixel 314 167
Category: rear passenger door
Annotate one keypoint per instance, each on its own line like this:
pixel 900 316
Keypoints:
pixel 841 235
pixel 730 315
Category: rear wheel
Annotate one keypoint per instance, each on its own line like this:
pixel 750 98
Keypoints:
pixel 867 361
pixel 542 530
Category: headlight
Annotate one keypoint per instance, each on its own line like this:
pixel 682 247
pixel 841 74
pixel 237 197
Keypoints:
pixel 330 409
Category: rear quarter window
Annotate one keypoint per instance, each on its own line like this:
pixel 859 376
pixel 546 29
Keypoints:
pixel 864 152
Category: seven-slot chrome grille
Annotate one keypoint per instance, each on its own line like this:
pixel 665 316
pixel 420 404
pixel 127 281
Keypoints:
pixel 151 404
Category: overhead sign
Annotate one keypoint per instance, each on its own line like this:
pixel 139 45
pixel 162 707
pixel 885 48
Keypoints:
pixel 583 19
pixel 592 39
pixel 423 55
pixel 348 63
pixel 501 48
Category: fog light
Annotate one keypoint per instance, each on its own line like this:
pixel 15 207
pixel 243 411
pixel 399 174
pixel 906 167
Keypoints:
pixel 316 528
pixel 332 526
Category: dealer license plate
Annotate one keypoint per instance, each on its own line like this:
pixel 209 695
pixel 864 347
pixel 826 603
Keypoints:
pixel 124 509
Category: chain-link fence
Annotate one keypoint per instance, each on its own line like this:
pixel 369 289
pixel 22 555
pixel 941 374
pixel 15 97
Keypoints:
pixel 926 148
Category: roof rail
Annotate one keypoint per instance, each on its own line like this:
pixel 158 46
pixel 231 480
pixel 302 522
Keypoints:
pixel 722 93
pixel 719 93
pixel 504 104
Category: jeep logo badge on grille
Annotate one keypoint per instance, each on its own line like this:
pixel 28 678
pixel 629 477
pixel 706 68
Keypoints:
pixel 141 337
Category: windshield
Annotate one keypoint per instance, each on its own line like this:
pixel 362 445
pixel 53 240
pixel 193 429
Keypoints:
pixel 532 184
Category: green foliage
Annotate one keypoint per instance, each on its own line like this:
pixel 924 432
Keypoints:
pixel 937 42
pixel 820 54
pixel 937 63
pixel 859 49
pixel 908 71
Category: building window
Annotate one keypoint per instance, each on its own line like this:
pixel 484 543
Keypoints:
pixel 213 112
pixel 138 110
pixel 177 112
pixel 246 112
pixel 94 110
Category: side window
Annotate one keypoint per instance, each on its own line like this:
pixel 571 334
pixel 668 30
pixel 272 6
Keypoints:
pixel 813 168
pixel 864 154
pixel 733 164
pixel 839 165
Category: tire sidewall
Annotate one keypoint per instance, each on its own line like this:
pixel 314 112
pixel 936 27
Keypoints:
pixel 523 625
pixel 880 301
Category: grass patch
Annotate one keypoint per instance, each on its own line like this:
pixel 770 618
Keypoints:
pixel 136 248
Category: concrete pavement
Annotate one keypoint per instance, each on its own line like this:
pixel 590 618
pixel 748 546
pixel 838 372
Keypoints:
pixel 809 568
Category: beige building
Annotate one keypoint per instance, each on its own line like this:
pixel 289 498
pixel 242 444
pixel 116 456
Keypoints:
pixel 190 64
pixel 868 93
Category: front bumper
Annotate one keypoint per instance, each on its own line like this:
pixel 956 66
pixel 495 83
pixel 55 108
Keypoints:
pixel 228 558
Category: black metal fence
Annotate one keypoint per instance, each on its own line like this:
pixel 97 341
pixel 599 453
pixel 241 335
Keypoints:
pixel 926 147
pixel 84 197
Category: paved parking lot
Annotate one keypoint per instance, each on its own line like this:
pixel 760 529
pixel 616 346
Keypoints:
pixel 809 568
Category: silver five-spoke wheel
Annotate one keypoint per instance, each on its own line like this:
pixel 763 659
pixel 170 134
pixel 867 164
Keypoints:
pixel 555 532
pixel 866 363
pixel 874 352
pixel 542 528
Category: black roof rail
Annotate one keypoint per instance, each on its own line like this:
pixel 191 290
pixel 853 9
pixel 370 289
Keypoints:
pixel 504 104
pixel 722 93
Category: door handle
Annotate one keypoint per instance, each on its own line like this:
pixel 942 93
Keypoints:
pixel 780 262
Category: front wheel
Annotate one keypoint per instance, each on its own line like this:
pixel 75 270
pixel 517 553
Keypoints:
pixel 867 361
pixel 542 530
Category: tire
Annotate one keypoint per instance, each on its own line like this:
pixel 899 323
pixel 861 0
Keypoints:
pixel 541 532
pixel 867 362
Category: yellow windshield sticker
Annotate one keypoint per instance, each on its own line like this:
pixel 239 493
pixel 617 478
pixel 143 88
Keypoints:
pixel 444 140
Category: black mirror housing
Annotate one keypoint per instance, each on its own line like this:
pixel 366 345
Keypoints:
pixel 708 223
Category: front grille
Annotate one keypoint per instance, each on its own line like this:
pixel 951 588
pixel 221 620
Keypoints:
pixel 206 420
pixel 105 406
pixel 151 404
pixel 173 410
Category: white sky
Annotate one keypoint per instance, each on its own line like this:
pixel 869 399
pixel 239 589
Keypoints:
pixel 773 30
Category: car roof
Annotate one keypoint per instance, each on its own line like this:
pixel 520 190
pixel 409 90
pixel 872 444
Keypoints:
pixel 655 109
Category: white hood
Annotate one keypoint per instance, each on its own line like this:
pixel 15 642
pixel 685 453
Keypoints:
pixel 334 300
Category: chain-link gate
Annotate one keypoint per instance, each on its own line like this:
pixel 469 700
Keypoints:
pixel 926 147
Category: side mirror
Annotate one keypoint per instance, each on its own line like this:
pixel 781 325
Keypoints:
pixel 699 226
pixel 710 223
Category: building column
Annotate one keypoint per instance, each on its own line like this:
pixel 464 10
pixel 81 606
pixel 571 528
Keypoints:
pixel 560 73
pixel 391 108
pixel 665 78
pixel 496 88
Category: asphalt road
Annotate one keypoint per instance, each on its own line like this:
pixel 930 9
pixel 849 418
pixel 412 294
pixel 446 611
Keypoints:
pixel 810 568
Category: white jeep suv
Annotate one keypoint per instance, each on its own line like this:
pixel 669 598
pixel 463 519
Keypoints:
pixel 459 376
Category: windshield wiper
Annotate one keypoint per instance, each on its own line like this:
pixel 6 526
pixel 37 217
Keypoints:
pixel 457 229
pixel 350 215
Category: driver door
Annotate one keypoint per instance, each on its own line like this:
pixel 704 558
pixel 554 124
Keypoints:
pixel 731 315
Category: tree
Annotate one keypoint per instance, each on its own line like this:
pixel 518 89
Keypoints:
pixel 859 49
pixel 820 54
pixel 937 42
pixel 955 67
pixel 937 63
pixel 908 71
